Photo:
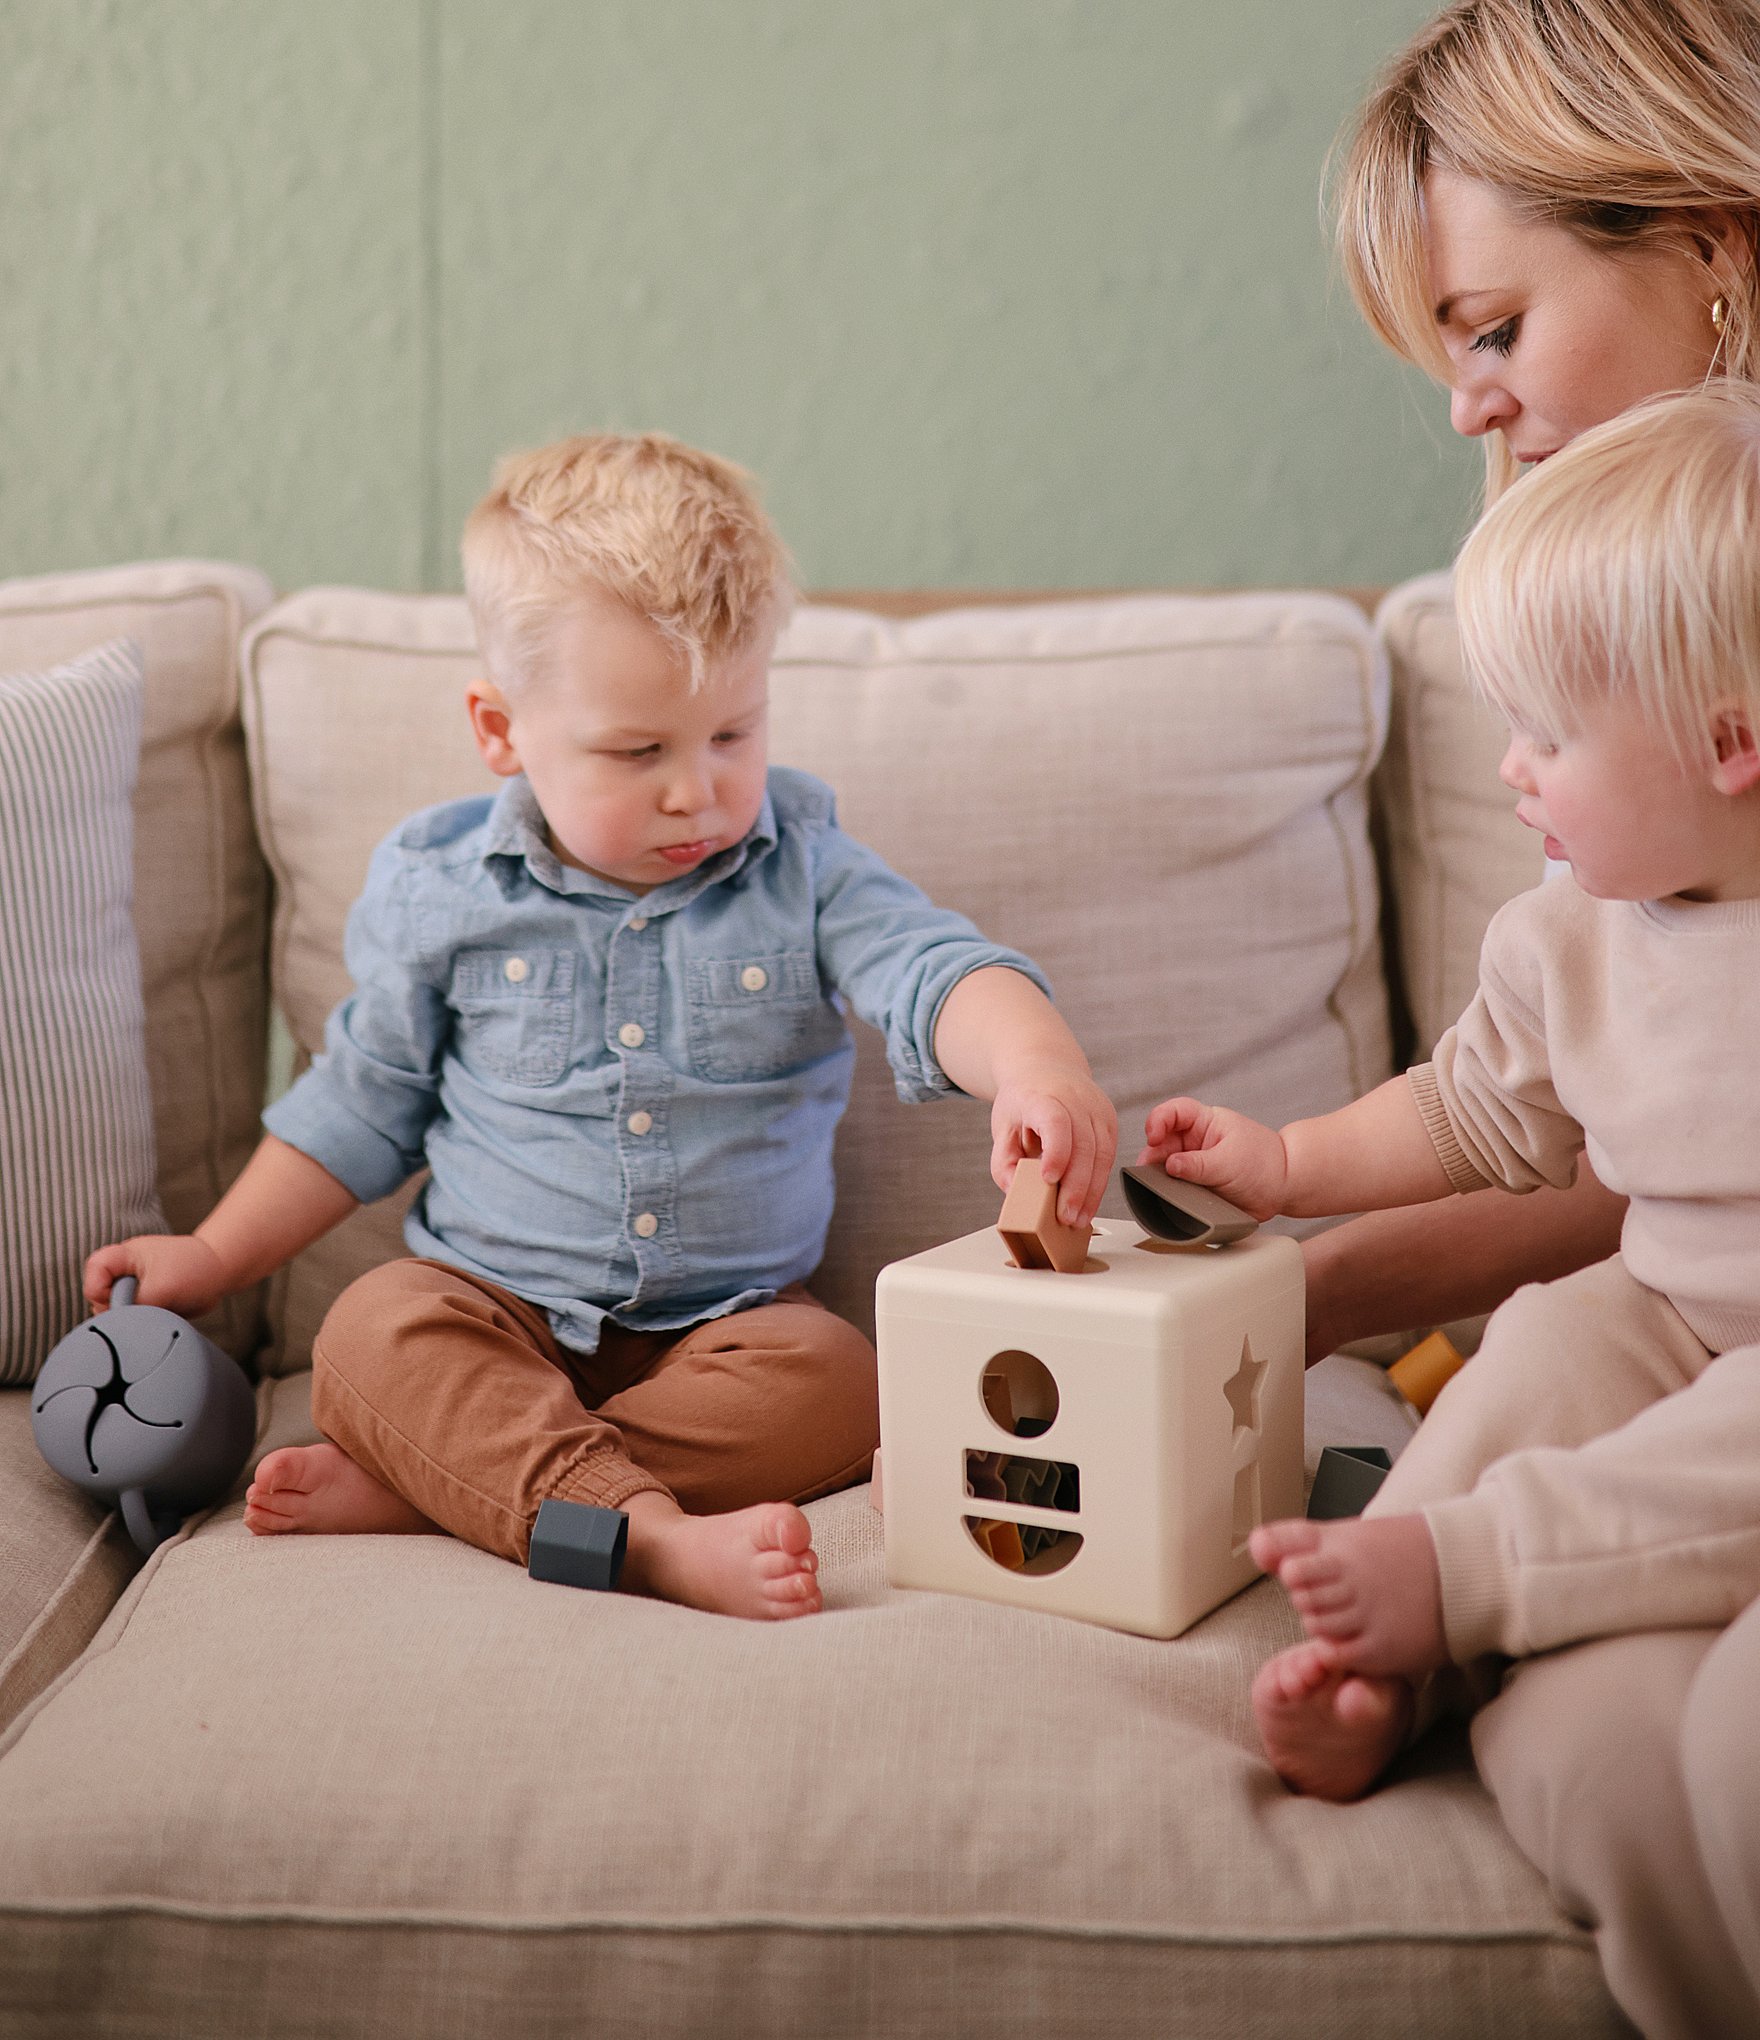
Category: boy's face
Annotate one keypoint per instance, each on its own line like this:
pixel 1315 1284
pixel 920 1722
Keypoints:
pixel 1631 821
pixel 639 779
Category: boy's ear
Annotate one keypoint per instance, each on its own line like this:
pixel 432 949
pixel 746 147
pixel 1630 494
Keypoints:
pixel 492 727
pixel 1736 766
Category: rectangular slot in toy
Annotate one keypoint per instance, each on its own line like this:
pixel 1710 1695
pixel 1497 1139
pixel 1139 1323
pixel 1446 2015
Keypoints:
pixel 1031 1483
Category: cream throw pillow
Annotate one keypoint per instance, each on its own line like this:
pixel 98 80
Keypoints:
pixel 76 1128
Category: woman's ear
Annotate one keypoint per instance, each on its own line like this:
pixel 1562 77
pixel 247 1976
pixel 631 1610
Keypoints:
pixel 1735 749
pixel 1725 243
pixel 492 727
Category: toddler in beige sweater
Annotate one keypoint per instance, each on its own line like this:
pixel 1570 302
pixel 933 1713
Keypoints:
pixel 1593 1471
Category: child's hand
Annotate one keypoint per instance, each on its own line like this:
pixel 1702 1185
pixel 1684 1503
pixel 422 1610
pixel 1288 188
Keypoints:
pixel 1225 1151
pixel 177 1271
pixel 1059 1113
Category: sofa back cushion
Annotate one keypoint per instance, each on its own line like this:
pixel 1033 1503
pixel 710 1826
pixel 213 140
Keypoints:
pixel 1454 847
pixel 1161 799
pixel 200 887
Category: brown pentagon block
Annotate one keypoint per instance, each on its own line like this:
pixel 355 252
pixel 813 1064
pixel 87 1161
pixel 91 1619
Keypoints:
pixel 1032 1231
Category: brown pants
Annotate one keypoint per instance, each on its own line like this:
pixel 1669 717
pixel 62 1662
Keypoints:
pixel 455 1394
pixel 1624 1765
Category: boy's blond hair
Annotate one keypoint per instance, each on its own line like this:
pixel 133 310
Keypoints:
pixel 1629 123
pixel 675 534
pixel 1626 567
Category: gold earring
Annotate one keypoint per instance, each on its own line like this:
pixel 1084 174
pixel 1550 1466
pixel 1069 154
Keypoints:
pixel 1719 312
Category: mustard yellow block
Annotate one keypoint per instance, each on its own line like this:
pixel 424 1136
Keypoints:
pixel 1426 1370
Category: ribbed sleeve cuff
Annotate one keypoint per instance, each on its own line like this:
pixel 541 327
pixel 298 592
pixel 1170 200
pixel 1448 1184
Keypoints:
pixel 1477 1572
pixel 1463 1175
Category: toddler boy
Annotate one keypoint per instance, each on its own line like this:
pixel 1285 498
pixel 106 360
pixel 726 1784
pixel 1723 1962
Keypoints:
pixel 605 1009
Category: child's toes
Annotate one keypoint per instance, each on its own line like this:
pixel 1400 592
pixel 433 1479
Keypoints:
pixel 1273 1544
pixel 784 1528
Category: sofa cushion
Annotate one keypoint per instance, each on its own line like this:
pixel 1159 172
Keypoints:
pixel 1161 799
pixel 63 1562
pixel 200 888
pixel 76 1135
pixel 308 1785
pixel 1455 848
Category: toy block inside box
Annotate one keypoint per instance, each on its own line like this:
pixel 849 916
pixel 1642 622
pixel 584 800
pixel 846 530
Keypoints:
pixel 1097 1444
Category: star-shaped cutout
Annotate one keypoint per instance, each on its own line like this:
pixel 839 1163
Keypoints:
pixel 1242 1389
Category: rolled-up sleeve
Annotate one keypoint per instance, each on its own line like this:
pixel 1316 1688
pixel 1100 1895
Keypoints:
pixel 895 956
pixel 363 1109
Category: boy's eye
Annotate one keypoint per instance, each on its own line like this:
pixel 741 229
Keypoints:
pixel 1499 340
pixel 641 751
pixel 731 736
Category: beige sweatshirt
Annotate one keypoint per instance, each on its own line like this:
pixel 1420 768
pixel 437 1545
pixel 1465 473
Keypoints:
pixel 1631 1029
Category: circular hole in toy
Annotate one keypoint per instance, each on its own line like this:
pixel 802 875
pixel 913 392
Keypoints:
pixel 1027 1548
pixel 1019 1393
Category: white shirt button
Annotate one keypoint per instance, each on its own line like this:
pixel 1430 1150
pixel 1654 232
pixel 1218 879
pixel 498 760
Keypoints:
pixel 631 1035
pixel 754 977
pixel 637 922
pixel 641 1122
pixel 647 1225
pixel 516 970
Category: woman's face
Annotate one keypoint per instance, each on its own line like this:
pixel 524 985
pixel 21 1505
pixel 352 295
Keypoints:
pixel 1546 336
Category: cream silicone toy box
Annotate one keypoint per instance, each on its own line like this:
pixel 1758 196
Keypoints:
pixel 1096 1444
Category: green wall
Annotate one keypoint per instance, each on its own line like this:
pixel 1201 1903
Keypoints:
pixel 988 292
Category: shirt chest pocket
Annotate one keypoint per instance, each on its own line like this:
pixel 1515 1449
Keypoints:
pixel 515 1013
pixel 758 1016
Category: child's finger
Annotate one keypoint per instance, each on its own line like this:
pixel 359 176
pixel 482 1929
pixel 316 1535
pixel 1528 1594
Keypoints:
pixel 1083 1184
pixel 1173 1121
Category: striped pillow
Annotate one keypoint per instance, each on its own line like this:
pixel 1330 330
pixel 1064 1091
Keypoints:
pixel 76 1129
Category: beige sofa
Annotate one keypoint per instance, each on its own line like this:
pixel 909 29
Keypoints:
pixel 391 1786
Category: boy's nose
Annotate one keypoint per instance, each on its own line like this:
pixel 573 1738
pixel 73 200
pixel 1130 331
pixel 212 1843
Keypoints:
pixel 1513 771
pixel 689 790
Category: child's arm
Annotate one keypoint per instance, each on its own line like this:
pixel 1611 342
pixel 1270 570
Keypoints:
pixel 997 1036
pixel 1373 1153
pixel 281 1202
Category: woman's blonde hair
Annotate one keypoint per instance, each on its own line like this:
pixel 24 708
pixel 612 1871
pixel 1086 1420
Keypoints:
pixel 1626 122
pixel 1626 568
pixel 673 533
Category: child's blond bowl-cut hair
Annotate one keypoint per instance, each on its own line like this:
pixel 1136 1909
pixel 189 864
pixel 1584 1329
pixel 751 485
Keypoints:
pixel 1626 568
pixel 674 534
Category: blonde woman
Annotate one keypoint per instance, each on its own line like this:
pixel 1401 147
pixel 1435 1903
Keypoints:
pixel 1553 206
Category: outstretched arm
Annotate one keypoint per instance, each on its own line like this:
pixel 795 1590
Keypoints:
pixel 281 1202
pixel 997 1036
pixel 1365 1157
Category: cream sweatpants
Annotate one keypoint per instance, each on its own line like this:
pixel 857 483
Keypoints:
pixel 1592 1479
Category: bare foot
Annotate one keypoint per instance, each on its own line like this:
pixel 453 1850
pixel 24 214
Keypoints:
pixel 1327 1732
pixel 1368 1588
pixel 319 1488
pixel 756 1562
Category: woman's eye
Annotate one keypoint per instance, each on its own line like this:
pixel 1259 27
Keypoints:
pixel 1499 340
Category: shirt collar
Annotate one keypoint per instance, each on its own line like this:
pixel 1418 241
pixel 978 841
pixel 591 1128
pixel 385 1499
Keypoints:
pixel 513 838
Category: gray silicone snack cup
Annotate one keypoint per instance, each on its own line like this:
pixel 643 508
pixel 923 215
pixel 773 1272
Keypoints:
pixel 140 1410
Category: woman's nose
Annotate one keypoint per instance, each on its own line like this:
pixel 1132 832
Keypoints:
pixel 1476 407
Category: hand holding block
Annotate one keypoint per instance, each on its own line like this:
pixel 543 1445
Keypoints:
pixel 1032 1231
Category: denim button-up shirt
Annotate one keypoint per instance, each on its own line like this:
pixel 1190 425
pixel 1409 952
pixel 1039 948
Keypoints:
pixel 626 1103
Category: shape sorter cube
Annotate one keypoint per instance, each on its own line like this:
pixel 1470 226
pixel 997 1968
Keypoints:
pixel 1096 1444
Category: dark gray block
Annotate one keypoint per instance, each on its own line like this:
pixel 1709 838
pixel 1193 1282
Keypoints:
pixel 1346 1480
pixel 576 1545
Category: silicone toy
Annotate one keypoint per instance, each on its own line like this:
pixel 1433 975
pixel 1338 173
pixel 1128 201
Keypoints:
pixel 1346 1480
pixel 1173 1209
pixel 1426 1371
pixel 1032 1231
pixel 139 1409
pixel 1097 1444
pixel 576 1545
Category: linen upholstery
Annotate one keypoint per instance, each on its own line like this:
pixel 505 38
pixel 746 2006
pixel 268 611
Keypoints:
pixel 76 1131
pixel 1455 848
pixel 1083 779
pixel 200 890
pixel 390 1785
